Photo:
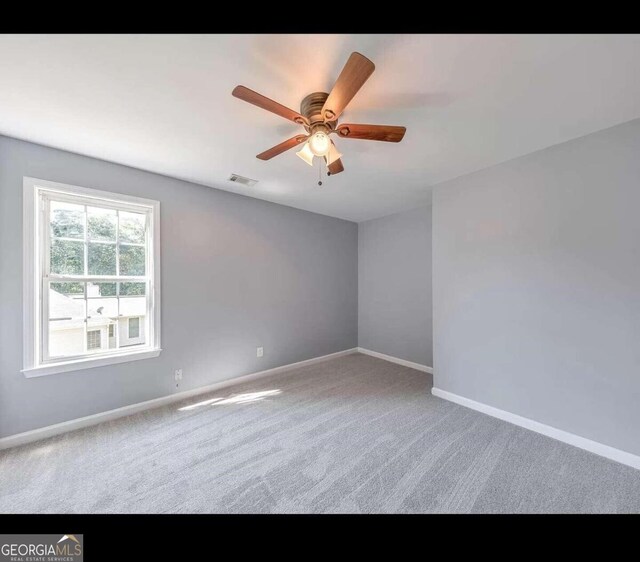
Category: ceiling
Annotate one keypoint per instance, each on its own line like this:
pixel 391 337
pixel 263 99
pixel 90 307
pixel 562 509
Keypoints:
pixel 164 104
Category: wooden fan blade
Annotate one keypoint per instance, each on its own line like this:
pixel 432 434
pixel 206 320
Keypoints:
pixel 354 74
pixel 245 94
pixel 282 147
pixel 336 167
pixel 387 133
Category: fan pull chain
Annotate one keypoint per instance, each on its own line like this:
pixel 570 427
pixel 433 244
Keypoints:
pixel 320 175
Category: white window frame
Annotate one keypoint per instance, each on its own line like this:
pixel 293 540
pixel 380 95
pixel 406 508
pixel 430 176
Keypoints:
pixel 35 299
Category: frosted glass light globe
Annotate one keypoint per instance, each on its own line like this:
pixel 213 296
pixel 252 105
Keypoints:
pixel 319 143
pixel 306 154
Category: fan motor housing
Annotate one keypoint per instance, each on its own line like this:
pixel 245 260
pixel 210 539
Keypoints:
pixel 311 108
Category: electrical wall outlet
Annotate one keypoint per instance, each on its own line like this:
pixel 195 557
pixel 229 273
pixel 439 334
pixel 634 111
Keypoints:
pixel 178 374
pixel 259 351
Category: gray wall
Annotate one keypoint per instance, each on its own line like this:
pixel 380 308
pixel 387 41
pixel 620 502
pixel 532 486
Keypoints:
pixel 237 273
pixel 394 279
pixel 536 286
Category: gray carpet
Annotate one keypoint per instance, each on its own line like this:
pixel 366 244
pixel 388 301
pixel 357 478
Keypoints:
pixel 350 435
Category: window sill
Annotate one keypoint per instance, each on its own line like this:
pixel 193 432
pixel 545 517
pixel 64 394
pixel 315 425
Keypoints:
pixel 89 362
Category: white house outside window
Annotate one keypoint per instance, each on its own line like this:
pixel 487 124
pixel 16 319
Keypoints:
pixel 91 277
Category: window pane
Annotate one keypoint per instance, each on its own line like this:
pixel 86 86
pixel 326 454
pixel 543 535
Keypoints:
pixel 102 259
pixel 132 260
pixel 67 220
pixel 66 319
pixel 101 224
pixel 133 311
pixel 101 289
pixel 133 289
pixel 75 290
pixel 67 257
pixel 132 227
pixel 102 312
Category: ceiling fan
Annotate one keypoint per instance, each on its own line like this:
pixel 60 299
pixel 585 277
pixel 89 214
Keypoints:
pixel 319 114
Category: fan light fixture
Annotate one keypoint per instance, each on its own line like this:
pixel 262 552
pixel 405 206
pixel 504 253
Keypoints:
pixel 319 143
pixel 306 154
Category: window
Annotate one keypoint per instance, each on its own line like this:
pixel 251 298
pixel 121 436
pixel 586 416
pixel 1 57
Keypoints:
pixel 93 339
pixel 134 328
pixel 91 262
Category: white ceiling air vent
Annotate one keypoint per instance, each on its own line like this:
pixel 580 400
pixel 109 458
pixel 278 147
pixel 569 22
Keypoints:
pixel 242 180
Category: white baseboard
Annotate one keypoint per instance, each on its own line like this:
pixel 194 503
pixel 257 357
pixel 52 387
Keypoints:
pixel 583 443
pixel 391 359
pixel 64 427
